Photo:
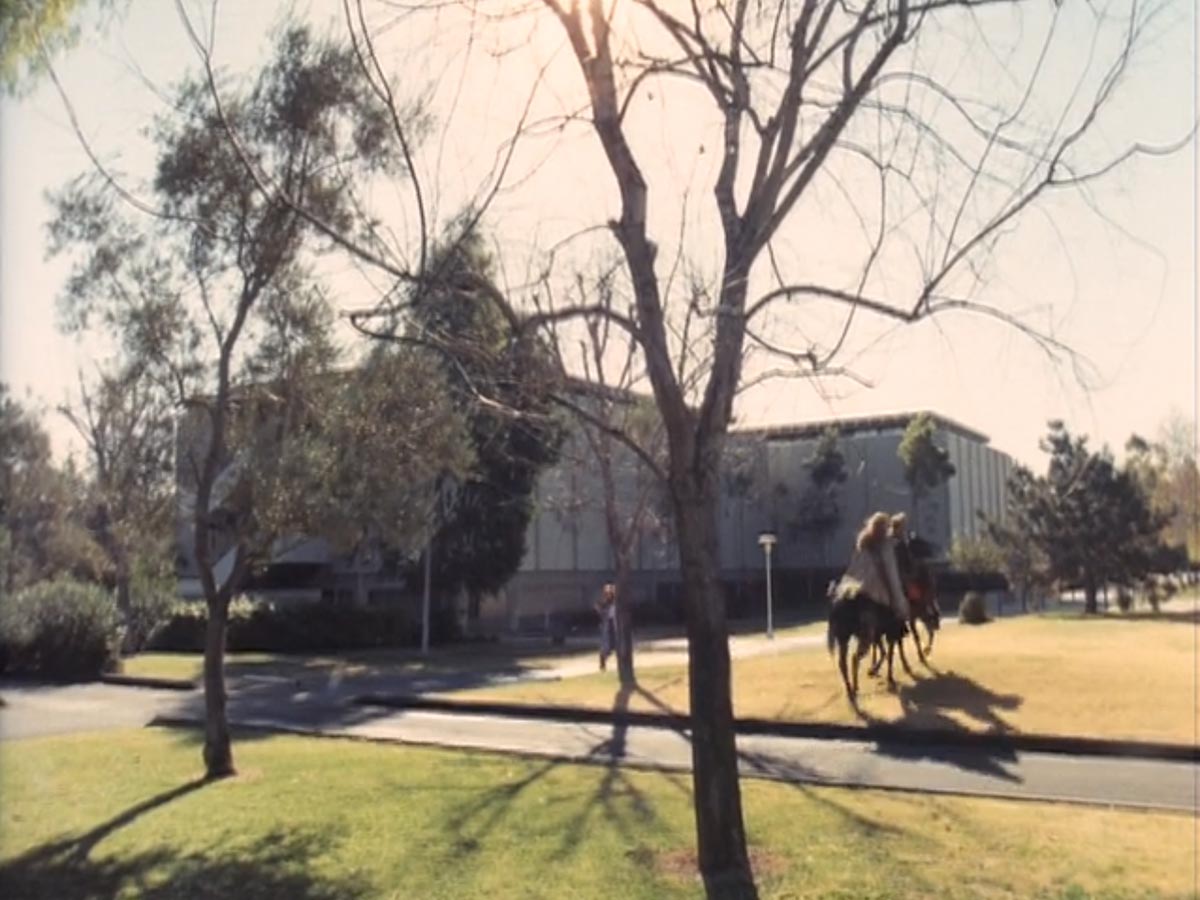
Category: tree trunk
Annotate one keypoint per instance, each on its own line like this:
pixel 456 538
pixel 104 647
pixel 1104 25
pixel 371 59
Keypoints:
pixel 1089 601
pixel 624 647
pixel 218 754
pixel 721 835
pixel 124 594
pixel 129 641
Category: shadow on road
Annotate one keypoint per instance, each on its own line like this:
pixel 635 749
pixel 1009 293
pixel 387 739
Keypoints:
pixel 929 704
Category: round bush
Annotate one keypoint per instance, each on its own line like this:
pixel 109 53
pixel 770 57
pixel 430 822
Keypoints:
pixel 973 609
pixel 60 629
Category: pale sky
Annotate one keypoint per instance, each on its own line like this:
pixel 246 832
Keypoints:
pixel 1119 289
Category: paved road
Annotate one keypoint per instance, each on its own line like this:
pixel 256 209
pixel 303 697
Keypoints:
pixel 277 703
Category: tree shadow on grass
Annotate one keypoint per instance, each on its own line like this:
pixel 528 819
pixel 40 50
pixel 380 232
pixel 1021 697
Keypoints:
pixel 927 704
pixel 617 798
pixel 870 827
pixel 77 849
pixel 276 865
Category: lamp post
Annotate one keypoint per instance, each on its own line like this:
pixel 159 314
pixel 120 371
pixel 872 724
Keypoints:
pixel 767 540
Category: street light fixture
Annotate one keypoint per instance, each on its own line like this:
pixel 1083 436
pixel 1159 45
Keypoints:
pixel 767 540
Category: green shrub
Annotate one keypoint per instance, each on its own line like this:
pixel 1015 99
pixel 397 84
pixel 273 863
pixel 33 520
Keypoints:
pixel 297 627
pixel 60 629
pixel 184 627
pixel 153 599
pixel 973 609
pixel 150 608
pixel 309 627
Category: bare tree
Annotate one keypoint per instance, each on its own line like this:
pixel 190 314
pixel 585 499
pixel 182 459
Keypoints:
pixel 790 85
pixel 622 444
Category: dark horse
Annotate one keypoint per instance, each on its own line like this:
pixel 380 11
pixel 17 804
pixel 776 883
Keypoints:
pixel 858 616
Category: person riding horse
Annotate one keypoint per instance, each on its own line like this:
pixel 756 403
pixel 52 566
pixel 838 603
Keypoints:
pixel 869 601
pixel 917 580
pixel 874 569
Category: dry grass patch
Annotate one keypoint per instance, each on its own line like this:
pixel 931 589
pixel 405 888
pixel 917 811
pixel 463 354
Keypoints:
pixel 1108 676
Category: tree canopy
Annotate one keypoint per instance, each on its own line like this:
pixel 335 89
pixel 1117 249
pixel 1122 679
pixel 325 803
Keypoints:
pixel 32 31
pixel 126 421
pixel 926 463
pixel 819 508
pixel 43 508
pixel 1090 520
pixel 501 381
pixel 210 284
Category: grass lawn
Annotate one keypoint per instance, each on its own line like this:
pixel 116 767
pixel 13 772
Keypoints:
pixel 1107 676
pixel 499 657
pixel 480 658
pixel 122 814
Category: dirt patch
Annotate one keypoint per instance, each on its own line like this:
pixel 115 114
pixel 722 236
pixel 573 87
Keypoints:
pixel 682 865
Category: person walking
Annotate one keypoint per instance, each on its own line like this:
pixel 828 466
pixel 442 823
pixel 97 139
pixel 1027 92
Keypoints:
pixel 606 609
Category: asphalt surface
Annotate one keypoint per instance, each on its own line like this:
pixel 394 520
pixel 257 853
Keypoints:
pixel 279 703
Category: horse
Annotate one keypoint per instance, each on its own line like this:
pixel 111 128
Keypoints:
pixel 858 616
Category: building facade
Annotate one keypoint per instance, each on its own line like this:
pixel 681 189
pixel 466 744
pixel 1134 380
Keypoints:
pixel 764 489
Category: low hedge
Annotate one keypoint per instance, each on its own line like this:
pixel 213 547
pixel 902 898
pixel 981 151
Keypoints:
pixel 298 627
pixel 60 629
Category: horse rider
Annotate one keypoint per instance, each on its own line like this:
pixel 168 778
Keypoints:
pixel 873 568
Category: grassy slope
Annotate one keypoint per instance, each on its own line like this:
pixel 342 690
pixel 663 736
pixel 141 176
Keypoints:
pixel 120 815
pixel 1108 677
pixel 464 658
pixel 508 657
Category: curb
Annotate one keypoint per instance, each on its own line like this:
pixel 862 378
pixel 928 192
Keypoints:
pixel 170 684
pixel 645 765
pixel 1003 743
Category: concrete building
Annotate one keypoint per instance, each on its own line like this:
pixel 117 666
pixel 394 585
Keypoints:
pixel 763 490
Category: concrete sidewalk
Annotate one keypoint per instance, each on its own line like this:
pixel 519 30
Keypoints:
pixel 929 765
pixel 672 651
pixel 932 768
